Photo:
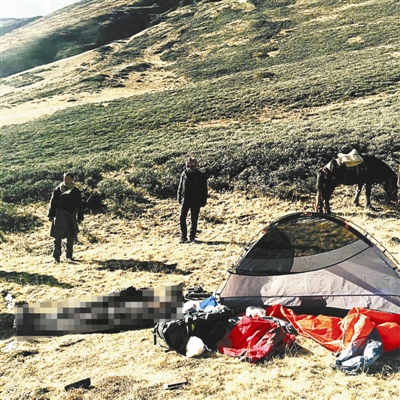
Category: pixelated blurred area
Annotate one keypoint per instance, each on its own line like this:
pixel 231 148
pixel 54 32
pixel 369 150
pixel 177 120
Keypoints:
pixel 128 309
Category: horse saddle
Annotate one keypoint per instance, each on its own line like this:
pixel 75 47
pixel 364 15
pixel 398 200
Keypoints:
pixel 351 159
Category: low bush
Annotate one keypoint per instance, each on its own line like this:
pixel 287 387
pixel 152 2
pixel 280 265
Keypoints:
pixel 13 220
pixel 156 181
pixel 123 199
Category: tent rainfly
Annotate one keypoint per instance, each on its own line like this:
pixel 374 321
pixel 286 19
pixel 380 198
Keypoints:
pixel 316 264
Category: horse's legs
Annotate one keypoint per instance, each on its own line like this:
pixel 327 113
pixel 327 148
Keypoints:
pixel 324 191
pixel 327 205
pixel 323 197
pixel 368 187
pixel 319 203
pixel 358 192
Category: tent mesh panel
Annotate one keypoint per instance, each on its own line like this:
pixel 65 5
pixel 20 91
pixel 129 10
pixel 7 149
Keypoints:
pixel 301 237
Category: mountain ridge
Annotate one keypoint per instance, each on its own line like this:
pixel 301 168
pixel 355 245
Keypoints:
pixel 79 27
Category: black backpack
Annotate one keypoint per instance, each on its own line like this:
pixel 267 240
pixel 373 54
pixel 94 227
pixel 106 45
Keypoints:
pixel 175 333
pixel 209 327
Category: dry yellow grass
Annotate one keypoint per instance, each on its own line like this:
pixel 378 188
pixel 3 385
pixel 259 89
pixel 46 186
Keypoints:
pixel 127 365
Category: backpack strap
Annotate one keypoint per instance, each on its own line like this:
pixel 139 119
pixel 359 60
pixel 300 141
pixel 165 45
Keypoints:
pixel 197 293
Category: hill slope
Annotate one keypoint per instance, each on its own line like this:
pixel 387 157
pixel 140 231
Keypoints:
pixel 79 27
pixel 262 91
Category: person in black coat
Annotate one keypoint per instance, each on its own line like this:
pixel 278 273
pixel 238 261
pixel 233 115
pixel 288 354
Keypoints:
pixel 192 195
pixel 65 212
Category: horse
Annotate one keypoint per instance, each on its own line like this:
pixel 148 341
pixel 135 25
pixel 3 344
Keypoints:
pixel 372 170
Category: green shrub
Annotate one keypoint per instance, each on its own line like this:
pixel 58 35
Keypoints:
pixel 13 220
pixel 123 198
pixel 156 181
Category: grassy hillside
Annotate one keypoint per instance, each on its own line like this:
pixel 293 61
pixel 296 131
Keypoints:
pixel 273 90
pixel 9 24
pixel 79 27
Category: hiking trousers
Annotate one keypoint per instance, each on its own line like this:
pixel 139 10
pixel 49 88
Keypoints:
pixel 194 216
pixel 57 248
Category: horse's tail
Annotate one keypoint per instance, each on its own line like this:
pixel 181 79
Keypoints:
pixel 319 201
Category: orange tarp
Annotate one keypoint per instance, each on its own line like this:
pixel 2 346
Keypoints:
pixel 335 334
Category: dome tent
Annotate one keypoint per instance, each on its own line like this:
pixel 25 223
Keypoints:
pixel 316 264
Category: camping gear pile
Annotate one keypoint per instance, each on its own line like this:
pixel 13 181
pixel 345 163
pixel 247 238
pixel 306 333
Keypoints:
pixel 308 274
pixel 209 326
pixel 205 323
pixel 357 340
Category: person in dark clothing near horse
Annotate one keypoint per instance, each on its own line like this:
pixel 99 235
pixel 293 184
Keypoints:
pixel 192 195
pixel 65 212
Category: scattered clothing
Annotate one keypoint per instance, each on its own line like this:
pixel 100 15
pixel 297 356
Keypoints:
pixel 360 354
pixel 360 338
pixel 255 339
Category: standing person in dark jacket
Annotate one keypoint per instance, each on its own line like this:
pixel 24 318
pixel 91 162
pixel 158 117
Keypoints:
pixel 65 212
pixel 192 195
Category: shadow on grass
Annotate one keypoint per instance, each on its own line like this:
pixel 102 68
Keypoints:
pixel 387 364
pixel 25 278
pixel 6 326
pixel 383 214
pixel 135 266
pixel 215 243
